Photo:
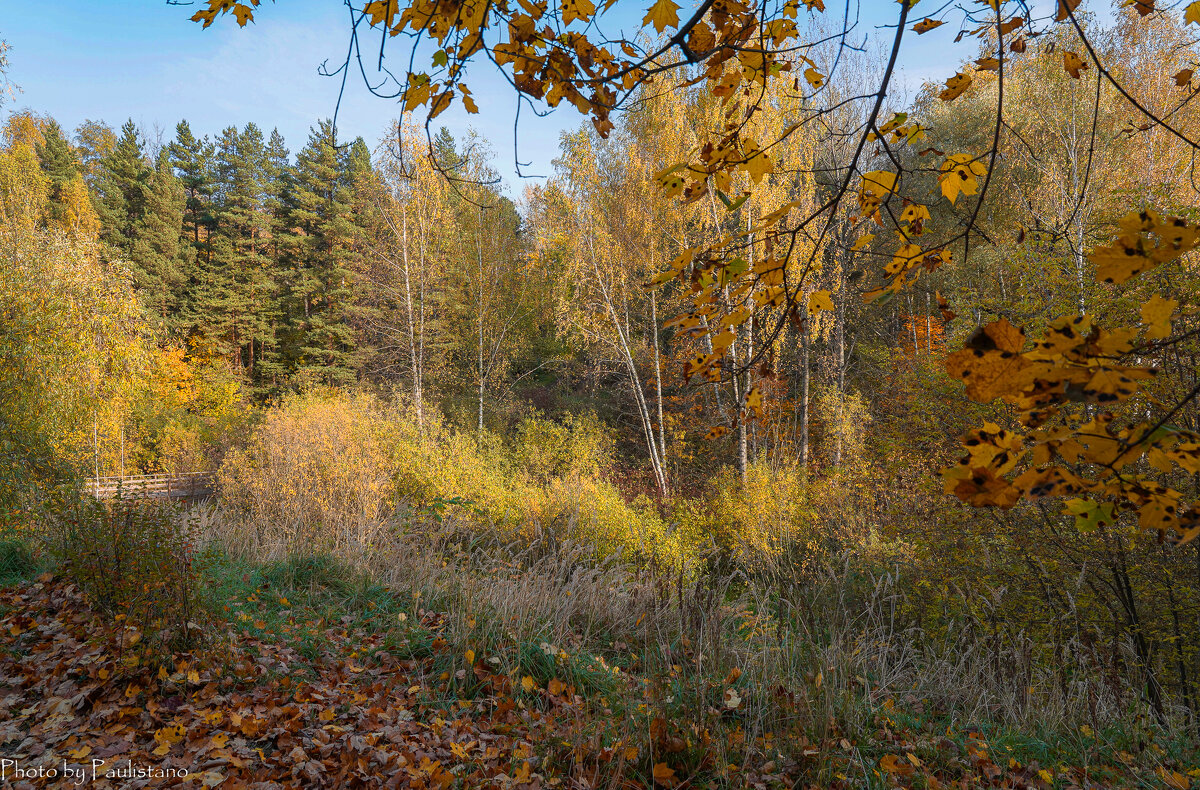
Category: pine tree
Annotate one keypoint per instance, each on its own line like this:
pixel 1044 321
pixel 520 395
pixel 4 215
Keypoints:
pixel 219 306
pixel 157 250
pixel 141 210
pixel 58 160
pixel 61 165
pixel 243 238
pixel 121 185
pixel 445 152
pixel 191 159
pixel 320 341
pixel 358 162
pixel 272 366
pixel 277 175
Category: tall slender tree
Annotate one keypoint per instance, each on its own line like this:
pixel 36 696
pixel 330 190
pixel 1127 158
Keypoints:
pixel 157 253
pixel 321 343
pixel 61 166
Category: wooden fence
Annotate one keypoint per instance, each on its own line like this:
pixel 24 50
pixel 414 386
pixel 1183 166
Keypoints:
pixel 189 485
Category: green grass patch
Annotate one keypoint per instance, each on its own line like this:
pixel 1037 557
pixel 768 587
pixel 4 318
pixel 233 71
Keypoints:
pixel 17 562
pixel 300 600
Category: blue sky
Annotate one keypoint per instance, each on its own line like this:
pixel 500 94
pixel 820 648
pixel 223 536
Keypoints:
pixel 143 59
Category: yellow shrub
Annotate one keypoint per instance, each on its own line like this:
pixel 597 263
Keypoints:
pixel 576 446
pixel 326 472
pixel 318 474
pixel 770 510
pixel 592 511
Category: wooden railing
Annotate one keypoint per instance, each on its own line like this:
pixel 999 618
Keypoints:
pixel 189 485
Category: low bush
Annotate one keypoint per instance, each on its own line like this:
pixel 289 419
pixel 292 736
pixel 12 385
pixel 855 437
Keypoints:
pixel 576 447
pixel 319 475
pixel 135 560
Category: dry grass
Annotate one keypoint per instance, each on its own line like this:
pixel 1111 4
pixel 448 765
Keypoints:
pixel 840 643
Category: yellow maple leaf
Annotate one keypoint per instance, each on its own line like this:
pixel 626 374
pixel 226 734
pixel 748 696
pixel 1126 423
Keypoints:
pixel 1089 515
pixel 1108 384
pixel 1065 7
pixel 382 11
pixel 955 86
pixel 876 186
pixel 862 241
pixel 171 735
pixel 1119 261
pixel 754 402
pixel 905 258
pixel 1073 64
pixel 722 341
pixel 756 162
pixel 914 212
pixel 818 301
pixel 892 765
pixel 960 175
pixel 1173 779
pixel 759 165
pixel 927 24
pixel 1192 14
pixel 528 683
pixel 664 775
pixel 671 179
pixel 1156 314
pixel 663 14
pixel 243 14
pixel 582 10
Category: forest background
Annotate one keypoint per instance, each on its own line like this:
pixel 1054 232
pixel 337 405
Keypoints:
pixel 378 349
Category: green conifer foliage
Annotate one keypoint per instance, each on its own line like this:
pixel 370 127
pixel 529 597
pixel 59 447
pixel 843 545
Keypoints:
pixel 121 186
pixel 156 250
pixel 320 280
pixel 57 159
pixel 141 209
pixel 61 165
pixel 242 242
pixel 191 159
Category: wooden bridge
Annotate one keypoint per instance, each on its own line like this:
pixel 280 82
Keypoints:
pixel 189 485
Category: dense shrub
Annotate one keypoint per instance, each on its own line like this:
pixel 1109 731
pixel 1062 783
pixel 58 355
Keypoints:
pixel 328 472
pixel 575 447
pixel 319 474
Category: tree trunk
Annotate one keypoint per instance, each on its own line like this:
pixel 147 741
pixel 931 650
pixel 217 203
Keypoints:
pixel 623 346
pixel 662 433
pixel 413 355
pixel 806 346
pixel 479 313
pixel 839 361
